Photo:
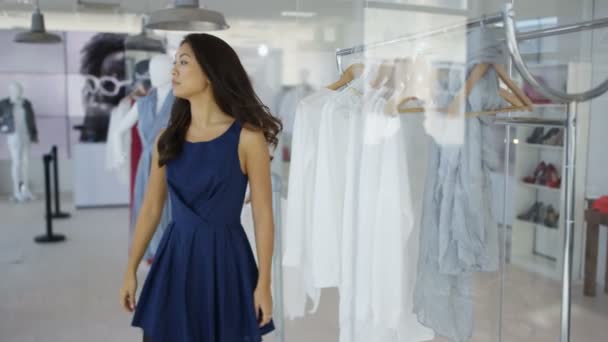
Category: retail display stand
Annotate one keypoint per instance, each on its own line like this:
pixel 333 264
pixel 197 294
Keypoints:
pixel 49 237
pixel 58 213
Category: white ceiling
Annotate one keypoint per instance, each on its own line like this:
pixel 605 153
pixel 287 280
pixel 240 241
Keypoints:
pixel 239 9
pixel 125 15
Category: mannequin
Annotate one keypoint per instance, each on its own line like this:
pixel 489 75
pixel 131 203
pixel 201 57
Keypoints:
pixel 115 154
pixel 18 123
pixel 151 113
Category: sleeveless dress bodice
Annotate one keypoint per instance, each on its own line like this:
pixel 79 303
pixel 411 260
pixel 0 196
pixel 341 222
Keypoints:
pixel 201 284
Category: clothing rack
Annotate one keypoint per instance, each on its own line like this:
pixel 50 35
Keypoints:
pixel 486 20
pixel 507 17
pixel 472 23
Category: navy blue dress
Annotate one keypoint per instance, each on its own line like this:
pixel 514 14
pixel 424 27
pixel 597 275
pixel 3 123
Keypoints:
pixel 200 286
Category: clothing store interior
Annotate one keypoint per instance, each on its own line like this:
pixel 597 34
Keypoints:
pixel 460 194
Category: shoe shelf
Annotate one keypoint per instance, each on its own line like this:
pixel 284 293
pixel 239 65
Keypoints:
pixel 536 244
pixel 535 224
pixel 543 147
pixel 550 105
pixel 540 187
pixel 537 247
pixel 526 121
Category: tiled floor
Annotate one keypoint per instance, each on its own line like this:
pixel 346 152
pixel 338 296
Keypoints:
pixel 68 292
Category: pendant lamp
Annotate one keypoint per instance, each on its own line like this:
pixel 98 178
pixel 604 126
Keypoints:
pixel 143 41
pixel 37 33
pixel 187 15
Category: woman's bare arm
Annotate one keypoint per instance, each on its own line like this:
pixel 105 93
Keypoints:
pixel 150 212
pixel 256 160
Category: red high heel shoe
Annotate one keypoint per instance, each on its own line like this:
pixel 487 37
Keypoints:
pixel 539 171
pixel 552 179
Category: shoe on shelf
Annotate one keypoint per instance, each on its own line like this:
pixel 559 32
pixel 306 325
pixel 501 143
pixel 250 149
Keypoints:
pixel 542 213
pixel 536 135
pixel 559 141
pixel 539 171
pixel 552 217
pixel 545 139
pixel 551 178
pixel 554 140
pixel 532 214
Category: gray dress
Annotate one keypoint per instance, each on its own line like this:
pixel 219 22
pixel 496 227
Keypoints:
pixel 458 234
pixel 149 124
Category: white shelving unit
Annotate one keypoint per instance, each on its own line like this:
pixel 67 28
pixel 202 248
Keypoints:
pixel 535 246
pixel 538 187
pixel 542 147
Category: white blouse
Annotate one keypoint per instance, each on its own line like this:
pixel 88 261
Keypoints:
pixel 297 244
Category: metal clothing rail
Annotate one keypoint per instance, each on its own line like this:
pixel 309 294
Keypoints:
pixel 557 95
pixel 486 20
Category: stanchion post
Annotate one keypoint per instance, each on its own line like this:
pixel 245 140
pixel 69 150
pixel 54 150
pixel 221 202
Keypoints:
pixel 57 213
pixel 49 236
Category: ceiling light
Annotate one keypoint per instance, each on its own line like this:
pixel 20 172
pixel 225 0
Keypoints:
pixel 186 15
pixel 37 33
pixel 263 50
pixel 143 41
pixel 298 14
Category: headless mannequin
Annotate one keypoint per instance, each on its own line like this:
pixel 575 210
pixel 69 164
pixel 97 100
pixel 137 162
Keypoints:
pixel 160 77
pixel 154 116
pixel 19 146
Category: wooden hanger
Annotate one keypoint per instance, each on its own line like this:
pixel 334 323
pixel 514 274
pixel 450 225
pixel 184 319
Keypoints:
pixel 516 97
pixel 347 76
pixel 384 75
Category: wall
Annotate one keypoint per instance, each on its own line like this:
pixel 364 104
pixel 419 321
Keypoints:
pixel 597 168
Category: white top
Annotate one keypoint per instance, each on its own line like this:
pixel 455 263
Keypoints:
pixel 329 187
pixel 118 143
pixel 298 218
pixel 350 219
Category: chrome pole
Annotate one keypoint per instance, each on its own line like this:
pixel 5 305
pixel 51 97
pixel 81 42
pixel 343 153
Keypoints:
pixel 505 227
pixel 568 209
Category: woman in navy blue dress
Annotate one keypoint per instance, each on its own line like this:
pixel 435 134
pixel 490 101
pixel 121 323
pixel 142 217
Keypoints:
pixel 204 285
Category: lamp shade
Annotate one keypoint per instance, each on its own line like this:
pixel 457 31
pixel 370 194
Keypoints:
pixel 187 16
pixel 37 33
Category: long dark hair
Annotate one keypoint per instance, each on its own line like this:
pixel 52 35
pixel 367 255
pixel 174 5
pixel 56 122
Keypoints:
pixel 232 90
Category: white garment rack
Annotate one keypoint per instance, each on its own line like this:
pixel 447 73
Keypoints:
pixel 507 17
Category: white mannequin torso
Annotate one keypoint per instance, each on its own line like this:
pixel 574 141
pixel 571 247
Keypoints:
pixel 131 118
pixel 160 77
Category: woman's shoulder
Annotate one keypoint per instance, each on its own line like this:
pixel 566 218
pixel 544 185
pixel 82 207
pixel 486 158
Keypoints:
pixel 251 134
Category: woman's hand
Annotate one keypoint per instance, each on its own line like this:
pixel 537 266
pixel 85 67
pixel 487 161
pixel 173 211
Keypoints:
pixel 128 291
pixel 263 304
